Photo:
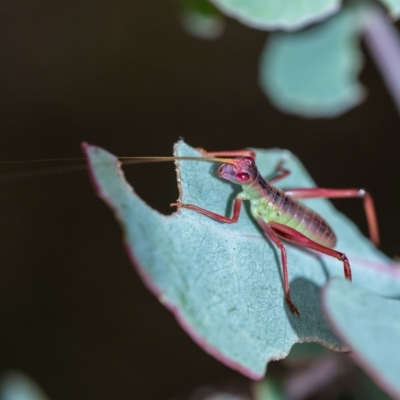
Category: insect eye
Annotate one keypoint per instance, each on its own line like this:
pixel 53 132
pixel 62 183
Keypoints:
pixel 243 176
pixel 249 160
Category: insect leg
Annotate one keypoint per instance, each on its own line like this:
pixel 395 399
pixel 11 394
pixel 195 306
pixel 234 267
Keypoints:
pixel 342 193
pixel 295 237
pixel 229 153
pixel 267 228
pixel 281 173
pixel 221 218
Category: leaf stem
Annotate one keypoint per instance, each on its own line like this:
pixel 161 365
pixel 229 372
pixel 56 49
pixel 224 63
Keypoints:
pixel 383 42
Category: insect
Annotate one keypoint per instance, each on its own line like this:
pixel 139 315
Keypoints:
pixel 279 213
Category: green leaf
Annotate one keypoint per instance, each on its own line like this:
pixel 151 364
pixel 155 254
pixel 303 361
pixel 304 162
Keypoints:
pixel 223 282
pixel 201 19
pixel 278 14
pixel 370 325
pixel 393 6
pixel 313 73
pixel 15 385
pixel 305 351
pixel 268 389
pixel 201 6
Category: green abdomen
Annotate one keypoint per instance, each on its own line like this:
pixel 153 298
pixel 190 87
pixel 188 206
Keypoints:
pixel 282 209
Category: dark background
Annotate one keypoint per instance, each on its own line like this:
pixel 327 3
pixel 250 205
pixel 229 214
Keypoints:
pixel 123 75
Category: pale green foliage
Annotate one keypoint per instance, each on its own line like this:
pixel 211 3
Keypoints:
pixel 223 282
pixel 15 385
pixel 201 19
pixel 314 72
pixel 393 7
pixel 267 389
pixel 278 14
pixel 370 325
pixel 287 14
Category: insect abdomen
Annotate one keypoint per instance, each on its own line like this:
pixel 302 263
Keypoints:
pixel 288 211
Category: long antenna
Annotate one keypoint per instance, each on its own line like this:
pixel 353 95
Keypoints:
pixel 9 176
pixel 125 160
pixel 140 160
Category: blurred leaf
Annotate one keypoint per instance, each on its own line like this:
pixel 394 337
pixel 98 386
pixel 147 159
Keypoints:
pixel 370 325
pixel 267 389
pixel 201 6
pixel 218 395
pixel 367 389
pixel 201 19
pixel 393 6
pixel 305 351
pixel 16 385
pixel 223 282
pixel 313 73
pixel 278 14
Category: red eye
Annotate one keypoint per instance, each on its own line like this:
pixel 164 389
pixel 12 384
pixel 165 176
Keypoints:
pixel 243 176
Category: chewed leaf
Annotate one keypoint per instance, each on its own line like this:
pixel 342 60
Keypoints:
pixel 393 6
pixel 278 14
pixel 313 73
pixel 370 325
pixel 223 282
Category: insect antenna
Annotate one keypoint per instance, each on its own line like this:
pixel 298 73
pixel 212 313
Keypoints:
pixel 140 160
pixel 15 175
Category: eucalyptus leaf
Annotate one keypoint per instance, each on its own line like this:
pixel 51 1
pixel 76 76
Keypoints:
pixel 278 14
pixel 223 282
pixel 393 6
pixel 313 73
pixel 15 385
pixel 370 325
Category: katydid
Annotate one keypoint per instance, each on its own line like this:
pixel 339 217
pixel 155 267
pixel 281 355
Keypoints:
pixel 278 212
pixel 281 215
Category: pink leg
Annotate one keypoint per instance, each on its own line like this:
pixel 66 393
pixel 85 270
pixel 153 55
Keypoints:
pixel 229 153
pixel 342 193
pixel 295 237
pixel 221 218
pixel 275 231
pixel 274 237
pixel 282 173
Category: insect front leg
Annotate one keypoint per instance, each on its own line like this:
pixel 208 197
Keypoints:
pixel 267 228
pixel 221 218
pixel 308 193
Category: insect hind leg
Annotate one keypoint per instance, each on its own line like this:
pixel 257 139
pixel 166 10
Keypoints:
pixel 270 232
pixel 314 193
pixel 299 239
